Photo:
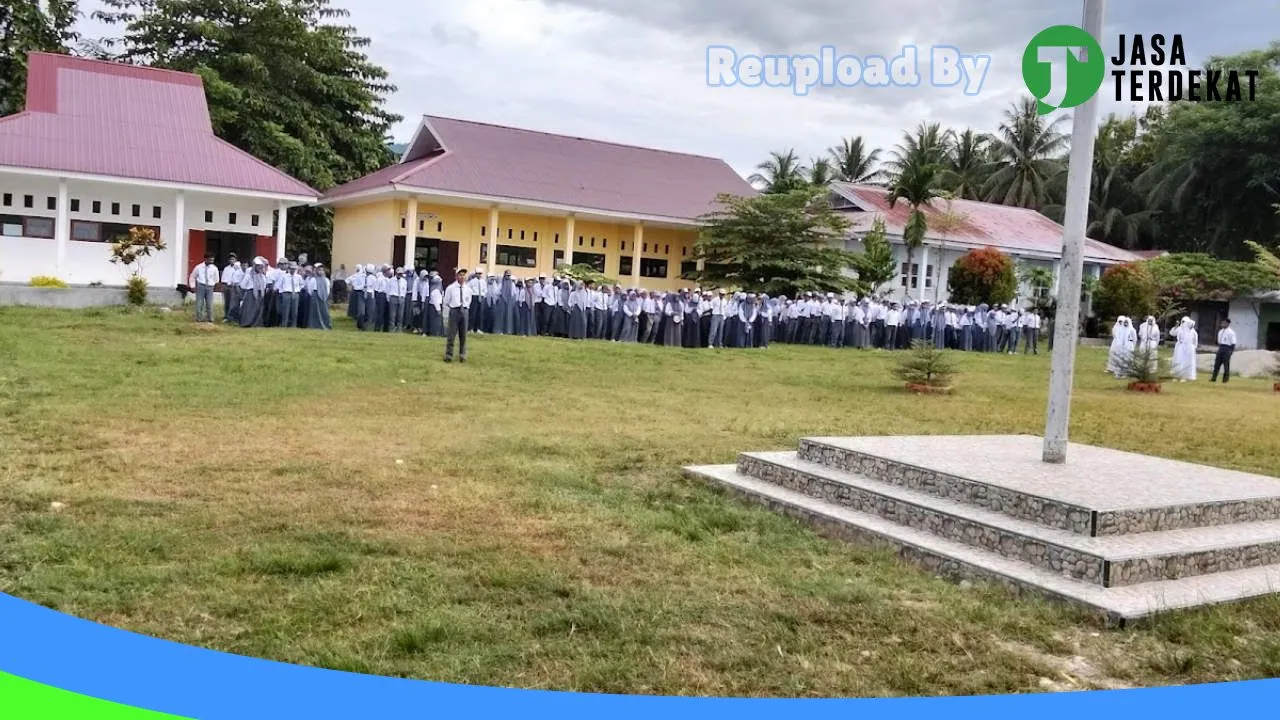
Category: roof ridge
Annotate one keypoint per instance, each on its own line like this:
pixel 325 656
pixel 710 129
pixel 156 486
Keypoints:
pixel 80 59
pixel 613 143
pixel 266 164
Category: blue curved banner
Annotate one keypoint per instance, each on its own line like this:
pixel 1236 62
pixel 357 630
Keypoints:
pixel 55 650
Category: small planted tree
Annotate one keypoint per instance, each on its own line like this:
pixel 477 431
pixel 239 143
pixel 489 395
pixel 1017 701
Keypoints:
pixel 875 265
pixel 131 252
pixel 1144 369
pixel 925 369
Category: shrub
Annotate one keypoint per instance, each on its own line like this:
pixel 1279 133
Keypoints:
pixel 925 365
pixel 1144 365
pixel 1128 289
pixel 981 276
pixel 46 281
pixel 136 290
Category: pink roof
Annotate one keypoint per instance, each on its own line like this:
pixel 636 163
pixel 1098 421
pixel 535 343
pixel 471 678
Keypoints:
pixel 102 118
pixel 1008 228
pixel 460 156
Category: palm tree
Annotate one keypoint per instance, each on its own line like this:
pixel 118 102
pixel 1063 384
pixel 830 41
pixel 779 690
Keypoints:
pixel 781 173
pixel 917 165
pixel 820 172
pixel 854 163
pixel 1027 151
pixel 1118 213
pixel 968 165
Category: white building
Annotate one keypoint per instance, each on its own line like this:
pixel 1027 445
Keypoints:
pixel 103 147
pixel 954 228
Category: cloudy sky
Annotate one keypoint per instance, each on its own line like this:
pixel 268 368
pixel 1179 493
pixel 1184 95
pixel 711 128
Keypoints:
pixel 634 71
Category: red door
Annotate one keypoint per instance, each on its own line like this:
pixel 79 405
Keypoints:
pixel 195 252
pixel 265 246
pixel 447 265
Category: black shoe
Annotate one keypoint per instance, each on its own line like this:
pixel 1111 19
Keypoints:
pixel 448 359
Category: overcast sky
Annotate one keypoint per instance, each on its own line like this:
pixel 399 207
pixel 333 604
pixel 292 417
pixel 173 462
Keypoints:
pixel 634 71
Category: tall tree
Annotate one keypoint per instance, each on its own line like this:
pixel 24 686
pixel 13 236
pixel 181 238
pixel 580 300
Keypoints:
pixel 781 173
pixel 875 265
pixel 1027 151
pixel 854 162
pixel 27 26
pixel 967 165
pixel 777 243
pixel 917 165
pixel 287 80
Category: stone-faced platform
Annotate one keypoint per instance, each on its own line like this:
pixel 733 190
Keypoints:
pixel 1127 534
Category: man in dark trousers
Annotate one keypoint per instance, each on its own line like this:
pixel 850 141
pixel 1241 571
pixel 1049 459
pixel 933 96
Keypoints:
pixel 1226 348
pixel 457 307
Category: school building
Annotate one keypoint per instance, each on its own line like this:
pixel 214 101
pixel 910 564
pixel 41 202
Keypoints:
pixel 103 147
pixel 474 195
pixel 954 228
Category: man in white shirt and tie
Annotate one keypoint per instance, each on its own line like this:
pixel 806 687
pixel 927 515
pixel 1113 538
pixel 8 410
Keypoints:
pixel 203 279
pixel 1226 348
pixel 457 306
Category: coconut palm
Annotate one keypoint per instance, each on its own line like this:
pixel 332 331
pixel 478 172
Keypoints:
pixel 854 162
pixel 820 172
pixel 781 173
pixel 1028 153
pixel 917 164
pixel 968 165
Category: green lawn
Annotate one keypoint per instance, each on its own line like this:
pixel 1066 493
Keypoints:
pixel 347 500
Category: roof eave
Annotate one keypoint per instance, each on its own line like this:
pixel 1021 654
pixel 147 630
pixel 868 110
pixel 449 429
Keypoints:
pixel 295 199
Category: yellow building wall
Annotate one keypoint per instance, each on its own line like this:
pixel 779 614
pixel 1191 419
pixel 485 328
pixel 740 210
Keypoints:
pixel 364 233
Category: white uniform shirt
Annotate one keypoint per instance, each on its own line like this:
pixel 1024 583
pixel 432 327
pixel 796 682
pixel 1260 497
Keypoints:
pixel 1227 337
pixel 203 274
pixel 457 295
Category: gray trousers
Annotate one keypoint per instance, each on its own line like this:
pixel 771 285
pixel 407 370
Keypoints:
pixel 204 303
pixel 396 310
pixel 457 329
pixel 716 338
pixel 287 308
pixel 230 302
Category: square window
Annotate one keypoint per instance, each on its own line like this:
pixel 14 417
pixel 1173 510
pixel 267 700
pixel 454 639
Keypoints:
pixel 97 207
pixel 403 223
pixel 666 250
pixel 231 218
pixel 422 225
pixel 28 201
pixel 208 216
pixel 521 234
pixel 75 205
pixel 137 210
pixel 580 241
pixel 51 203
pixel 604 243
pixel 509 234
pixel 439 227
pixel 593 242
pixel 645 248
pixel 156 212
pixel 255 220
pixel 115 208
pixel 624 245
pixel 482 229
pixel 8 199
pixel 535 236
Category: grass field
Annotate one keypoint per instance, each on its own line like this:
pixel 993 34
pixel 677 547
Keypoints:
pixel 349 501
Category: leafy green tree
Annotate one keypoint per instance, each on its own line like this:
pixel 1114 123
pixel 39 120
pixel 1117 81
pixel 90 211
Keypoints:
pixel 781 173
pixel 854 162
pixel 1027 157
pixel 27 26
pixel 875 265
pixel 777 243
pixel 287 80
pixel 1128 289
pixel 984 275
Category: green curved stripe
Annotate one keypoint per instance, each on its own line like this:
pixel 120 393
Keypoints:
pixel 22 699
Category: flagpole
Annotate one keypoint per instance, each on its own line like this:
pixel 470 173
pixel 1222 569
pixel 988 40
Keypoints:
pixel 1075 223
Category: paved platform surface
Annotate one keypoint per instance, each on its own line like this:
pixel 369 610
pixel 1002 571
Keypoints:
pixel 1100 479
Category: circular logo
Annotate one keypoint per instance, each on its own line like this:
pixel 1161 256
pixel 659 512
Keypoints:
pixel 1058 45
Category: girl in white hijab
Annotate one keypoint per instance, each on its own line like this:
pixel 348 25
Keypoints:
pixel 1116 354
pixel 1149 339
pixel 1184 351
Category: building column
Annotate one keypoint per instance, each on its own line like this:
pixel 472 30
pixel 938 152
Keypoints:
pixel 922 275
pixel 493 239
pixel 62 229
pixel 410 232
pixel 637 242
pixel 282 222
pixel 570 238
pixel 179 241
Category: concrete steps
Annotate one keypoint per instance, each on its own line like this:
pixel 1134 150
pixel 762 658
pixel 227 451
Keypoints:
pixel 1124 560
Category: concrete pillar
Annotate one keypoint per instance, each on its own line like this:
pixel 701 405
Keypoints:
pixel 920 276
pixel 637 242
pixel 410 231
pixel 493 240
pixel 282 223
pixel 570 239
pixel 62 229
pixel 178 238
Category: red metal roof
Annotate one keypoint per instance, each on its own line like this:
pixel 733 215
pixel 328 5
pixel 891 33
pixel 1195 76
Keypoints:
pixel 102 118
pixel 1005 227
pixel 509 163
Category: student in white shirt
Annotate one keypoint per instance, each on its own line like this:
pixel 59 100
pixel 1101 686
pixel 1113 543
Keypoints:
pixel 1030 322
pixel 457 303
pixel 396 288
pixel 202 281
pixel 288 287
pixel 1226 348
pixel 231 276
